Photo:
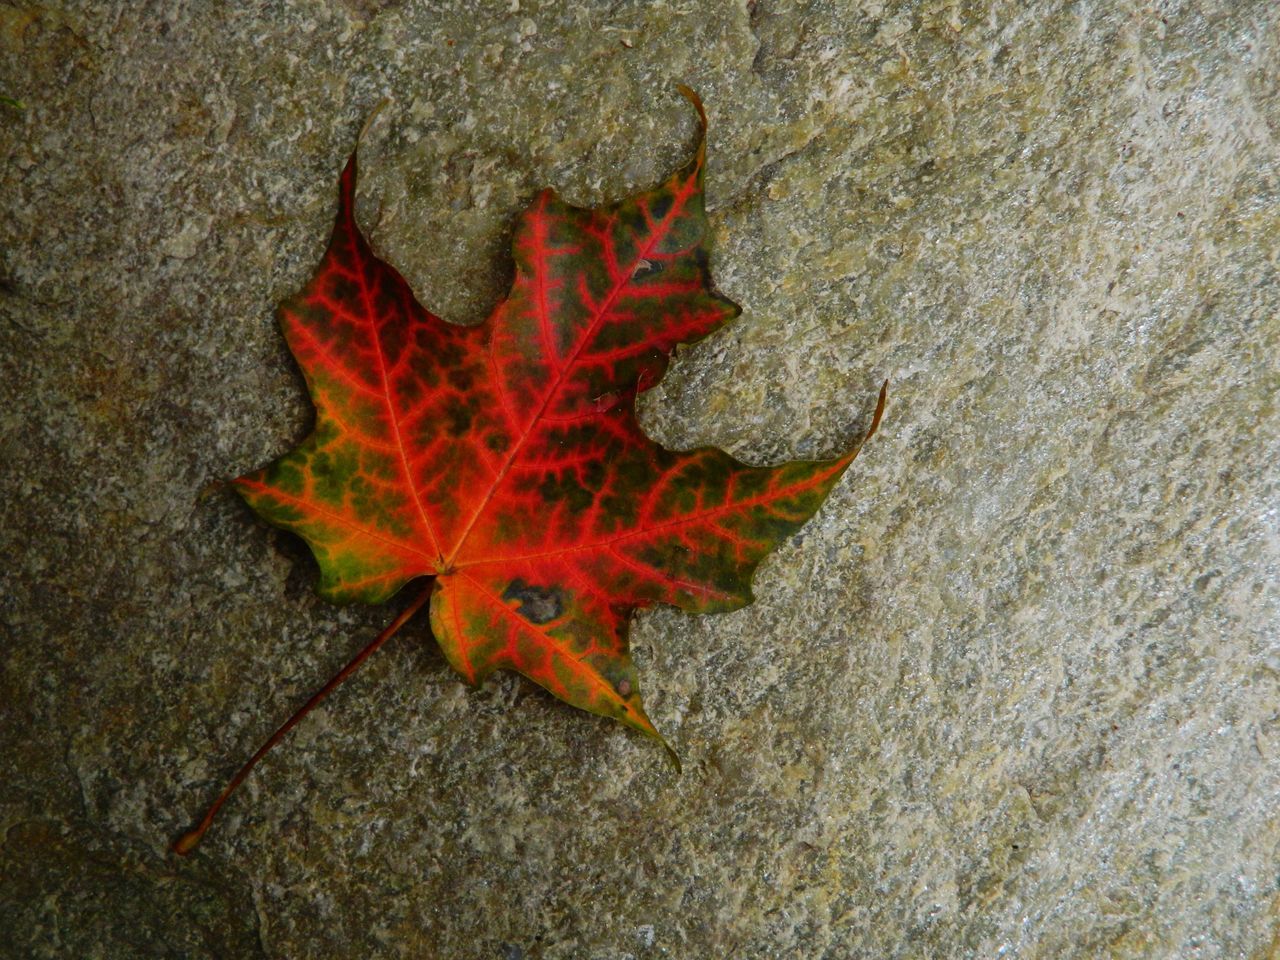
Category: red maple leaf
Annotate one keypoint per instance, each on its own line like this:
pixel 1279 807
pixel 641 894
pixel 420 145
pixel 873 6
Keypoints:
pixel 504 461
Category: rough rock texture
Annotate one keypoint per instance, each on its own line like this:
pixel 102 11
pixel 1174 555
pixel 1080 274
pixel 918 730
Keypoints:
pixel 1015 691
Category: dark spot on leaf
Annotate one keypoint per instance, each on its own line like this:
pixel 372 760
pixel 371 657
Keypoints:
pixel 554 488
pixel 624 688
pixel 388 303
pixel 536 604
pixel 343 290
pixel 449 355
pixel 459 420
pixel 661 206
pixel 461 379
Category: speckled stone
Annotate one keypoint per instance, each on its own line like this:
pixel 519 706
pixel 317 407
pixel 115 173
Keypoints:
pixel 1014 692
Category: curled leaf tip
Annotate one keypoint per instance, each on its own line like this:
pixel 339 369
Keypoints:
pixel 673 757
pixel 875 419
pixel 692 97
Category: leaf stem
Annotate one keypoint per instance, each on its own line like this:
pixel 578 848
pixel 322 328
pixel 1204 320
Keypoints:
pixel 188 841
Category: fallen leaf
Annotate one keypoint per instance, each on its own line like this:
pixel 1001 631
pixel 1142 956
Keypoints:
pixel 504 461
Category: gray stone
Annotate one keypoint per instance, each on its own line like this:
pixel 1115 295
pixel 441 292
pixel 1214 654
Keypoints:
pixel 1013 692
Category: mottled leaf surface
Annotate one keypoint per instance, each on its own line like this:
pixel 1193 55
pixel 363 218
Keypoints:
pixel 505 460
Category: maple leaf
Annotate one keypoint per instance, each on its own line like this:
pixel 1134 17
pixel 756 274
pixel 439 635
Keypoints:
pixel 504 460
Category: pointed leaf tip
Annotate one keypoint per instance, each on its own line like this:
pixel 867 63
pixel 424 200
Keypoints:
pixel 691 95
pixel 673 757
pixel 875 419
pixel 347 188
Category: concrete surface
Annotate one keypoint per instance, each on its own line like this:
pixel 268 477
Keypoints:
pixel 1015 691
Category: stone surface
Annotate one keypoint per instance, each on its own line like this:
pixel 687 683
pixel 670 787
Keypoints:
pixel 1014 692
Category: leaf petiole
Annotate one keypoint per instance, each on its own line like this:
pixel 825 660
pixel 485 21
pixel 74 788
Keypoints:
pixel 188 841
